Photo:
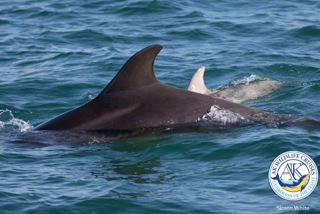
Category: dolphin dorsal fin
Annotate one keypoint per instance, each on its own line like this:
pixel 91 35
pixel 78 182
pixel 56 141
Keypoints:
pixel 197 83
pixel 137 72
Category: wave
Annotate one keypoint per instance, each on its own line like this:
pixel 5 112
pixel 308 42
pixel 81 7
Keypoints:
pixel 310 31
pixel 8 121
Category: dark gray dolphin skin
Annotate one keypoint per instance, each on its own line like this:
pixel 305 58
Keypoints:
pixel 135 99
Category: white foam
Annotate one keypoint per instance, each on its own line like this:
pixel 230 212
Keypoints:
pixel 90 96
pixel 223 116
pixel 248 80
pixel 1 125
pixel 11 121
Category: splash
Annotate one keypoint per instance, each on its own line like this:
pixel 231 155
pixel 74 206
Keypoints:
pixel 7 120
pixel 247 80
pixel 223 116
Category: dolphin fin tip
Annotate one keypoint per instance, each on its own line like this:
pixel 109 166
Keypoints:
pixel 137 71
pixel 197 82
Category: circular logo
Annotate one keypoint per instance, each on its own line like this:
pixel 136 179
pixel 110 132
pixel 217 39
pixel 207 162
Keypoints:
pixel 293 175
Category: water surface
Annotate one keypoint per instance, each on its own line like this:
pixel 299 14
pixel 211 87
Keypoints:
pixel 57 55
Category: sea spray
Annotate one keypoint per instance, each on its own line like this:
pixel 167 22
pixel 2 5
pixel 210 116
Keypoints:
pixel 7 120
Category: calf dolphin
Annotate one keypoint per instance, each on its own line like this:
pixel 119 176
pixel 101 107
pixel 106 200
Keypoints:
pixel 237 93
pixel 135 99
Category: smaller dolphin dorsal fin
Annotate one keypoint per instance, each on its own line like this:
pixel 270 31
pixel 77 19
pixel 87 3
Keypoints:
pixel 197 82
pixel 136 72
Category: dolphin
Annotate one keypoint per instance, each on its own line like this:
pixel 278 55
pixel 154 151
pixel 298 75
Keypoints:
pixel 294 186
pixel 238 93
pixel 136 99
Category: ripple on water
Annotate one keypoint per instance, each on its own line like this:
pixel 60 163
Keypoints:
pixel 310 32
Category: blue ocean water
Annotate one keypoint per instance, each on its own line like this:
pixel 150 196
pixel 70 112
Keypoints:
pixel 56 55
